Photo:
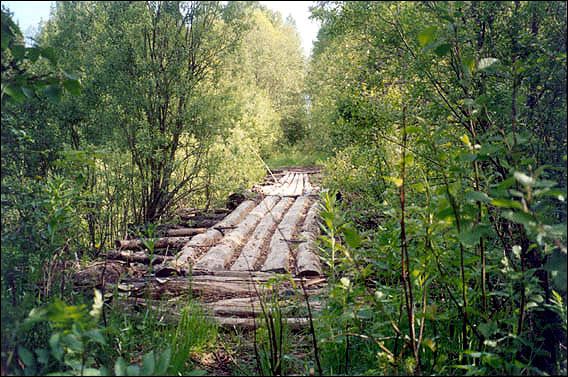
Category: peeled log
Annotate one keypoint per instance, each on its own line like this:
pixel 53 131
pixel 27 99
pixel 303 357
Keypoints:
pixel 250 306
pixel 138 257
pixel 252 249
pixel 278 258
pixel 208 289
pixel 159 243
pixel 194 248
pixel 251 323
pixel 220 255
pixel 185 232
pixel 307 262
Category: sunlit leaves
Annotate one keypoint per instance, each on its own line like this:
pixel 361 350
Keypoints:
pixel 471 236
pixel 352 237
pixel 486 63
pixel 427 36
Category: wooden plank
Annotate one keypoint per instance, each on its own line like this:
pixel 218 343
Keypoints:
pixel 252 249
pixel 220 255
pixel 278 257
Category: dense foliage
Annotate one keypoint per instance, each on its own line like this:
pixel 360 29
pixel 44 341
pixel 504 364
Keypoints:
pixel 121 112
pixel 447 120
pixel 444 219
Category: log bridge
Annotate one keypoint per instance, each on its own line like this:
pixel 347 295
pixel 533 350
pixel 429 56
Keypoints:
pixel 265 246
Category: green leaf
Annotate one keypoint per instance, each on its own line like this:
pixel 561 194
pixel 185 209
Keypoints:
pixel 197 372
pixel 352 237
pixel 5 40
pixel 33 53
pixel 471 237
pixel 148 364
pixel 73 342
pixel 14 92
pixel 506 203
pixel 49 54
pixel 28 359
pixel 445 214
pixel 426 36
pixel 71 76
pixel 477 196
pixel 163 361
pixel 520 218
pixel 27 92
pixel 133 370
pixel 55 345
pixel 96 336
pixel 557 266
pixel 18 51
pixel 53 92
pixel 91 372
pixel 120 367
pixel 469 64
pixel 442 49
pixel 42 356
pixel 72 86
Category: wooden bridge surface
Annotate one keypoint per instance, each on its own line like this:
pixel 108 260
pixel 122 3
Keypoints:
pixel 264 248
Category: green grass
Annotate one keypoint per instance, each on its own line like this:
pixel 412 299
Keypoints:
pixel 288 156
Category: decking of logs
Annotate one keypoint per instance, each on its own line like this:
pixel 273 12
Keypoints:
pixel 227 263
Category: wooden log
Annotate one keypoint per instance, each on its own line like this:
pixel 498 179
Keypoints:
pixel 268 189
pixel 251 323
pixel 291 188
pixel 96 274
pixel 239 307
pixel 250 306
pixel 209 290
pixel 159 243
pixel 138 257
pixel 307 261
pixel 185 232
pixel 220 255
pixel 307 185
pixel 252 249
pixel 285 189
pixel 295 187
pixel 194 248
pixel 287 178
pixel 201 223
pixel 278 258
pixel 201 216
pixel 311 224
